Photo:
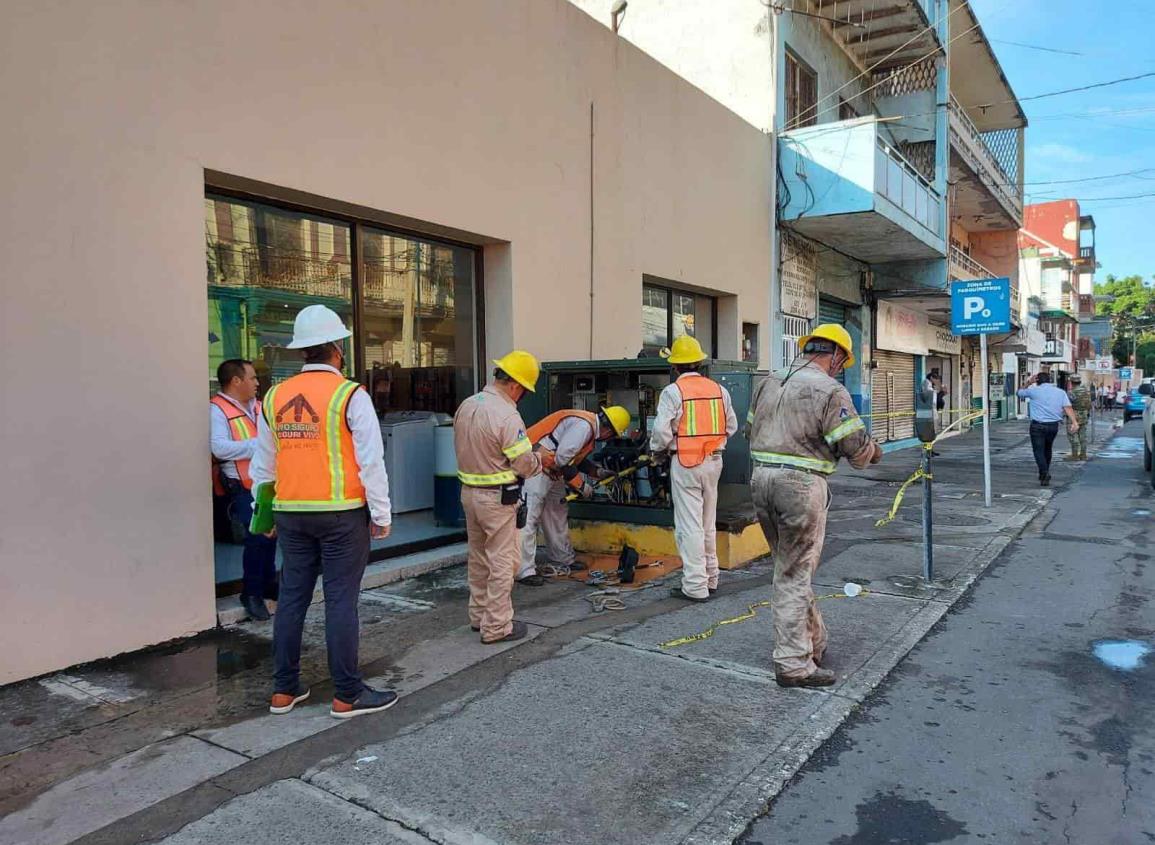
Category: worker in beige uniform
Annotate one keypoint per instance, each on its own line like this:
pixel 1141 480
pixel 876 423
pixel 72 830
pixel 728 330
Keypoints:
pixel 801 422
pixel 494 457
pixel 564 441
pixel 695 418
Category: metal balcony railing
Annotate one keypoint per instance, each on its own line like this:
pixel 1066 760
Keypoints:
pixel 900 182
pixel 996 152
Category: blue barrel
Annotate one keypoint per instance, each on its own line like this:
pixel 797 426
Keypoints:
pixel 447 508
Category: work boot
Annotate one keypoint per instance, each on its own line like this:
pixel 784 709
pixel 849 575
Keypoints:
pixel 1045 481
pixel 534 580
pixel 518 633
pixel 255 607
pixel 369 701
pixel 819 678
pixel 1074 456
pixel 283 702
pixel 677 593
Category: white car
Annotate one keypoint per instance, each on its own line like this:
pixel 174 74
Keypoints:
pixel 1147 390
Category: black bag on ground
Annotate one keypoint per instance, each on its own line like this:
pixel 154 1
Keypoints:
pixel 627 563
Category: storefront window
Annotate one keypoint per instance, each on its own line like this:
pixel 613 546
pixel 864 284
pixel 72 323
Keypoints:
pixel 264 265
pixel 419 323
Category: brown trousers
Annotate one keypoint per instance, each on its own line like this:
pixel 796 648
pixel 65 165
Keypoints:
pixel 491 528
pixel 792 509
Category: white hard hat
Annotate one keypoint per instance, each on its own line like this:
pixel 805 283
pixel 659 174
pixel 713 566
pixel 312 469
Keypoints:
pixel 316 325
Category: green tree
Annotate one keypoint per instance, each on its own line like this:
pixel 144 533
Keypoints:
pixel 1132 309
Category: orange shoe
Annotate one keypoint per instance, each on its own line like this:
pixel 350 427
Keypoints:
pixel 283 702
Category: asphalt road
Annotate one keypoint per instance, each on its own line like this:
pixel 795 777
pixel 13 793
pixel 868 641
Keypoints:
pixel 1003 725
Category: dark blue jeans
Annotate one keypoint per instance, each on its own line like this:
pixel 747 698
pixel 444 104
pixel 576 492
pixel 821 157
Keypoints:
pixel 260 558
pixel 335 547
pixel 1042 440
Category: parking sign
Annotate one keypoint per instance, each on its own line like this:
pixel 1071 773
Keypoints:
pixel 980 306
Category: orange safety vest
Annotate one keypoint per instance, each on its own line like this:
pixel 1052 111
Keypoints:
pixel 544 428
pixel 241 427
pixel 316 467
pixel 702 429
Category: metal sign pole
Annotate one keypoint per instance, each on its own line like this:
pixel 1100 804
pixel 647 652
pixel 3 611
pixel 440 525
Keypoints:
pixel 986 421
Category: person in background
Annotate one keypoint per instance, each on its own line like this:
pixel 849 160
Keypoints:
pixel 319 443
pixel 932 388
pixel 233 416
pixel 1081 402
pixel 494 459
pixel 695 418
pixel 1048 405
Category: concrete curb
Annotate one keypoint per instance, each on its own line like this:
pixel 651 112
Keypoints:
pixel 752 797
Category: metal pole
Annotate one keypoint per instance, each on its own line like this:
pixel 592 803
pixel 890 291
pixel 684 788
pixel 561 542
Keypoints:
pixel 927 540
pixel 986 421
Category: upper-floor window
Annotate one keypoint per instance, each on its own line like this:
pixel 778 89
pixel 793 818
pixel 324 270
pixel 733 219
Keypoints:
pixel 668 313
pixel 801 94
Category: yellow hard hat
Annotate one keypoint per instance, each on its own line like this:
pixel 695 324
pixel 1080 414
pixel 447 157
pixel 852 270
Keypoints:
pixel 522 367
pixel 619 418
pixel 836 335
pixel 686 350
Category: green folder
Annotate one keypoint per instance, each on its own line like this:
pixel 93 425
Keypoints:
pixel 262 521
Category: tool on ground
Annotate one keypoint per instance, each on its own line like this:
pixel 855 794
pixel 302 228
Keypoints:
pixel 627 564
pixel 609 479
pixel 751 612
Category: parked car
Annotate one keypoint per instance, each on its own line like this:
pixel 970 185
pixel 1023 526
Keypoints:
pixel 1134 403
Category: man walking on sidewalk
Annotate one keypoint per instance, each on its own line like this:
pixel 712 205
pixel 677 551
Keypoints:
pixel 494 457
pixel 319 442
pixel 801 422
pixel 1081 402
pixel 694 420
pixel 1047 407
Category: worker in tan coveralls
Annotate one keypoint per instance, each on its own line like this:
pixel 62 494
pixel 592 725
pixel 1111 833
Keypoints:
pixel 494 457
pixel 801 422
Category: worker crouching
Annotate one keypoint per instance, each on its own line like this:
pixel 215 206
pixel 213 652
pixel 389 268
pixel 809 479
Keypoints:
pixel 494 457
pixel 801 422
pixel 694 420
pixel 563 440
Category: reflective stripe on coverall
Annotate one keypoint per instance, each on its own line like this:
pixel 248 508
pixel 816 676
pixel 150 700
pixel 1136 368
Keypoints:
pixel 694 489
pixel 801 423
pixel 492 448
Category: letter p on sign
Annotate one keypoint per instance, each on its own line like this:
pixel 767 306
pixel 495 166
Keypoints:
pixel 974 305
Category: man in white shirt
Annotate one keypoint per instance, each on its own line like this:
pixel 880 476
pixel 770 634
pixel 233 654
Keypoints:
pixel 233 439
pixel 695 418
pixel 319 441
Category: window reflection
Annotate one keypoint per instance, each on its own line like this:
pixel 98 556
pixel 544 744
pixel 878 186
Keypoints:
pixel 264 264
pixel 418 320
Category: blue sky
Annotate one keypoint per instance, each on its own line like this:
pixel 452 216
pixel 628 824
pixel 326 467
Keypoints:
pixel 1094 133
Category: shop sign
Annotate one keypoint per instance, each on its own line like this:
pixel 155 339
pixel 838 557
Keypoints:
pixel 903 330
pixel 1036 341
pixel 799 278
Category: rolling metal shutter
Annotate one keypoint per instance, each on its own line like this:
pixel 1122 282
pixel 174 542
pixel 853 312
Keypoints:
pixel 832 312
pixel 892 391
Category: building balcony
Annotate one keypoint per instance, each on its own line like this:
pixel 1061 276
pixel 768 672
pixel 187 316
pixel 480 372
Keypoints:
pixel 846 186
pixel 892 34
pixel 985 170
pixel 1086 257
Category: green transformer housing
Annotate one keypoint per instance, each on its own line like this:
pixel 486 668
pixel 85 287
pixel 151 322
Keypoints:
pixel 635 384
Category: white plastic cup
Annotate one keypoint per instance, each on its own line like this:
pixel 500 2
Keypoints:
pixel 851 589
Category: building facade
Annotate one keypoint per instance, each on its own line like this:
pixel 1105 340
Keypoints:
pixel 455 179
pixel 885 165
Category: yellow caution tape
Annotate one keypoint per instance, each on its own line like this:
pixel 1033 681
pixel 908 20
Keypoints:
pixel 751 612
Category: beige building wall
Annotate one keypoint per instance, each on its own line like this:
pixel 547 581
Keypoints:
pixel 469 118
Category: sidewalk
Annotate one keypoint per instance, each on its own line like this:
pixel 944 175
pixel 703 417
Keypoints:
pixel 588 731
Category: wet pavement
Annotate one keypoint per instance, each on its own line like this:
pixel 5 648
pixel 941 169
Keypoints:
pixel 1026 714
pixel 591 726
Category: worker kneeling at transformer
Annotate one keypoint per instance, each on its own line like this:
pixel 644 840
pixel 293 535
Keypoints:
pixel 563 441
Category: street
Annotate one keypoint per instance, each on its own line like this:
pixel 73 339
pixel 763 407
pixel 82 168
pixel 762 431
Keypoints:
pixel 1003 725
pixel 599 729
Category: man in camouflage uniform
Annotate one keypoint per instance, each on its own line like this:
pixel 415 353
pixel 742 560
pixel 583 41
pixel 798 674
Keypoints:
pixel 1081 401
pixel 801 422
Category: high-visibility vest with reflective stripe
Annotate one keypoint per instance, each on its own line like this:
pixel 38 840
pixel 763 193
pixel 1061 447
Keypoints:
pixel 241 427
pixel 702 429
pixel 316 467
pixel 544 429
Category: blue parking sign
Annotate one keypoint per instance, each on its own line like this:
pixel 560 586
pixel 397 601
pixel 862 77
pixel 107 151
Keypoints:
pixel 980 306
